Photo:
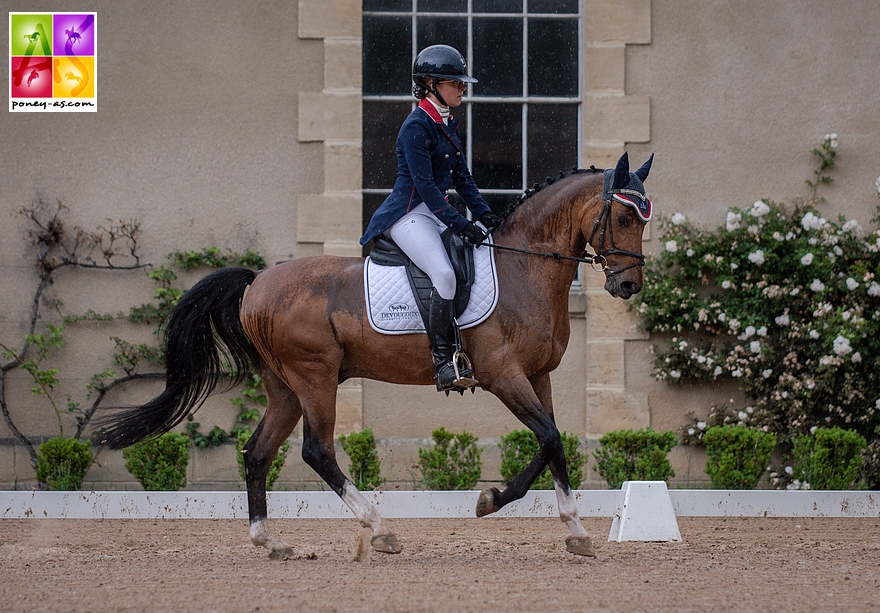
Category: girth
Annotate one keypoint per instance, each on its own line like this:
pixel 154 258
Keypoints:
pixel 385 252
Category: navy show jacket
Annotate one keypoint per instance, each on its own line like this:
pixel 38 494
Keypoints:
pixel 430 160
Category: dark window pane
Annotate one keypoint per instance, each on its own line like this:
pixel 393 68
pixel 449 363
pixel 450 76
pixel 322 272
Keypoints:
pixel 387 5
pixel 553 57
pixel 498 6
pixel 382 122
pixel 498 50
pixel 552 139
pixel 553 6
pixel 501 203
pixel 387 55
pixel 442 6
pixel 442 31
pixel 497 146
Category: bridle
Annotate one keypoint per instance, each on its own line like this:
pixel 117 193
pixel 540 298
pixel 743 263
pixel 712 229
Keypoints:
pixel 599 261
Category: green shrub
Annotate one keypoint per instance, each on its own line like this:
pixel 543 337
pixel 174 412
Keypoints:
pixel 634 455
pixel 159 464
pixel 520 446
pixel 62 463
pixel 738 456
pixel 828 459
pixel 361 450
pixel 454 463
pixel 241 439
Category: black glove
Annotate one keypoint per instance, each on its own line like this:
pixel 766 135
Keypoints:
pixel 491 221
pixel 473 233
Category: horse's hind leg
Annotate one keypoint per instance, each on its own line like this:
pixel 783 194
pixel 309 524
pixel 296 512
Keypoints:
pixel 283 412
pixel 319 453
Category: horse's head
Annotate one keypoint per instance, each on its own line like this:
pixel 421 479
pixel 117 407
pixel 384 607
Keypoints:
pixel 616 234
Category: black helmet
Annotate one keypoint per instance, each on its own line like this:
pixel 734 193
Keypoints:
pixel 440 61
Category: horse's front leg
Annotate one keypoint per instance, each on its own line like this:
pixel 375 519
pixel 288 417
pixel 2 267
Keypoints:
pixel 319 453
pixel 578 541
pixel 527 399
pixel 283 412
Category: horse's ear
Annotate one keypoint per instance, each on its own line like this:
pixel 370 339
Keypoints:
pixel 621 173
pixel 642 173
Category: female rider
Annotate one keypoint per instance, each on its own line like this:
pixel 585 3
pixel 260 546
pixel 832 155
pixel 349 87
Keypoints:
pixel 430 160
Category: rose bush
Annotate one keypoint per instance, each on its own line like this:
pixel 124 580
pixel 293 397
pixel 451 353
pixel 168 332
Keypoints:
pixel 782 300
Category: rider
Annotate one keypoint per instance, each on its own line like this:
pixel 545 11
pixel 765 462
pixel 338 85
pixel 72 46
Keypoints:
pixel 430 160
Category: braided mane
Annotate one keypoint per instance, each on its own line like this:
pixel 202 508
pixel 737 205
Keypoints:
pixel 563 174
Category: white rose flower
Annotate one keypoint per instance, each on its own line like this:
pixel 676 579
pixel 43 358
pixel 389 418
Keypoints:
pixel 691 431
pixel 762 331
pixel 851 284
pixel 807 259
pixel 817 286
pixel 841 345
pixel 813 429
pixel 726 284
pixel 733 221
pixel 757 257
pixel 722 317
pixel 874 289
pixel 734 266
pixel 701 425
pixel 877 403
pixel 766 374
pixel 783 320
pixel 678 219
pixel 795 291
pixel 852 226
pixel 814 334
pixel 690 253
pixel 737 373
pixel 759 209
pixel 671 246
pixel 742 415
pixel 755 346
pixel 778 237
pixel 675 374
pixel 877 184
pixel 856 357
pixel 718 371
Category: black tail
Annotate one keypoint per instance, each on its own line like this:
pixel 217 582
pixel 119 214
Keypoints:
pixel 204 338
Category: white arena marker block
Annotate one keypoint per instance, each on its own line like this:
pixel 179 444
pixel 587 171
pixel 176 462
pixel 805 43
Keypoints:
pixel 646 514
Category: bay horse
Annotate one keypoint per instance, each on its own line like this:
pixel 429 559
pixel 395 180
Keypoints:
pixel 303 325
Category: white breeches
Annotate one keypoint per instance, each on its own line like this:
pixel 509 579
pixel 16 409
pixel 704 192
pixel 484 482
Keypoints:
pixel 418 234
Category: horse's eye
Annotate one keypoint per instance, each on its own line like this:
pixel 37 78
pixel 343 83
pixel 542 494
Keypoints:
pixel 624 220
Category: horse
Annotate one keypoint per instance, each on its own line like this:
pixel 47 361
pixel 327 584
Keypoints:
pixel 303 325
pixel 70 76
pixel 72 35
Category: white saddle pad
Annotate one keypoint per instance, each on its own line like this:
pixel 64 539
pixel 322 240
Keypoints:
pixel 392 307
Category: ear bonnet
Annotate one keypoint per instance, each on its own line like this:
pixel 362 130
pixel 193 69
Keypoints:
pixel 628 187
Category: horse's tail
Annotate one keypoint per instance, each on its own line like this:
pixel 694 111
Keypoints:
pixel 203 338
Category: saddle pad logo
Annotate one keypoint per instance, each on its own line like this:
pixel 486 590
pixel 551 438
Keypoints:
pixel 53 62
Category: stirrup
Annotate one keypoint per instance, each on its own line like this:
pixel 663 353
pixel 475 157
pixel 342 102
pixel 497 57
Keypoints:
pixel 464 374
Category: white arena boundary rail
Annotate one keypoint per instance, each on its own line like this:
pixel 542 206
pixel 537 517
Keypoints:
pixel 424 504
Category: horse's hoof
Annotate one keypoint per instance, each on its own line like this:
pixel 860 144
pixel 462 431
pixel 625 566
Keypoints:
pixel 281 553
pixel 580 546
pixel 385 543
pixel 487 504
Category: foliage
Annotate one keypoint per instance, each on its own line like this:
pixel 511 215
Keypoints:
pixel 827 459
pixel 361 450
pixel 782 301
pixel 62 463
pixel 738 456
pixel 242 436
pixel 159 464
pixel 520 446
pixel 454 463
pixel 634 455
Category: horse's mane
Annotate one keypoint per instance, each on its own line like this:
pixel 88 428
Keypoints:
pixel 535 188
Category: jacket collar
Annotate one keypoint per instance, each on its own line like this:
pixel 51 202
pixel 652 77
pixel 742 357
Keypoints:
pixel 428 106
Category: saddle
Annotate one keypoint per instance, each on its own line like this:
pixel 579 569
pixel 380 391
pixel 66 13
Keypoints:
pixel 385 252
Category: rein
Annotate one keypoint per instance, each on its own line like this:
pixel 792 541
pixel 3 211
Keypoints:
pixel 598 262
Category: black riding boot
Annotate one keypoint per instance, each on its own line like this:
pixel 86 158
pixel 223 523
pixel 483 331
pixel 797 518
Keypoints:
pixel 441 334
